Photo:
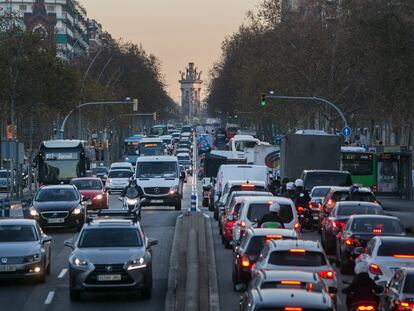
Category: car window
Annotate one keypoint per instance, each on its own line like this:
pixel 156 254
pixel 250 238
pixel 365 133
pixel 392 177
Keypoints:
pixel 359 196
pixel 157 170
pixel 402 249
pixel 110 237
pixel 56 195
pixel 320 192
pixel 409 284
pixel 17 233
pixel 289 258
pixel 257 210
pixel 313 179
pixel 119 174
pixel 377 226
pixel 348 210
pixel 257 243
pixel 90 184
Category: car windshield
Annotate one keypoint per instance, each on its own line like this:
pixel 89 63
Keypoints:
pixel 394 248
pixel 409 284
pixel 297 258
pixel 100 170
pixel 349 210
pixel 56 195
pixel 361 196
pixel 157 169
pixel 311 287
pixel 320 192
pixel 120 174
pixel 183 158
pixel 256 244
pixel 327 179
pixel 4 174
pixel 17 233
pixel 377 226
pixel 89 184
pixel 257 210
pixel 110 237
pixel 241 145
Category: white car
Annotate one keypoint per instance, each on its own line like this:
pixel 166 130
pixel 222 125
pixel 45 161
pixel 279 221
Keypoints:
pixel 118 180
pixel 296 255
pixel 319 193
pixel 253 209
pixel 385 254
pixel 121 166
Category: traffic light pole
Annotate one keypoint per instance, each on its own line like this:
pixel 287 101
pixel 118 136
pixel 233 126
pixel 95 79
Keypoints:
pixel 313 99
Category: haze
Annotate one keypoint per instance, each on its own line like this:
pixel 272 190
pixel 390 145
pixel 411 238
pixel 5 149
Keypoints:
pixel 176 31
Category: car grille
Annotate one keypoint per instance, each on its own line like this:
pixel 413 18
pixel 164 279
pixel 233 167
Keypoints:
pixel 157 190
pixel 12 260
pixel 54 214
pixel 92 278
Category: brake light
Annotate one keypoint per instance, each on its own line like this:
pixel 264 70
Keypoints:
pixel 313 205
pixel 365 308
pixel 330 203
pixel 242 224
pixel 404 256
pixel 377 231
pixel 245 262
pixel 293 309
pixel 296 226
pixel 338 225
pixel 348 242
pixel 247 186
pixel 405 306
pixel 290 283
pixel 375 269
pixel 300 209
pixel 329 275
pixel 274 237
pixel 296 250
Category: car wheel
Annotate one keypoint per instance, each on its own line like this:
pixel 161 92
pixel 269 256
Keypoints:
pixel 74 294
pixel 178 206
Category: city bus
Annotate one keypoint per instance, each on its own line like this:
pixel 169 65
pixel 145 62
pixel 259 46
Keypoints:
pixel 361 165
pixel 131 149
pixel 151 147
pixel 159 130
pixel 59 161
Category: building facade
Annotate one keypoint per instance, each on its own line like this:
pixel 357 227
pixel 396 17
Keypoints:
pixel 190 92
pixel 65 20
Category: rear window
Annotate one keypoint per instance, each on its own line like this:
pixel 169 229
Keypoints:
pixel 391 248
pixel 120 174
pixel 327 179
pixel 304 259
pixel 257 210
pixel 349 210
pixel 320 192
pixel 359 196
pixel 377 226
pixel 256 244
pixel 311 287
pixel 409 284
pixel 250 187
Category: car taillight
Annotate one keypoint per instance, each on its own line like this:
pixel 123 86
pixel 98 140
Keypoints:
pixel 329 275
pixel 405 306
pixel 365 308
pixel 296 226
pixel 375 269
pixel 313 205
pixel 293 309
pixel 242 224
pixel 291 282
pixel 245 262
pixel 338 225
pixel 300 209
pixel 352 242
pixel 330 203
pixel 274 237
pixel 374 188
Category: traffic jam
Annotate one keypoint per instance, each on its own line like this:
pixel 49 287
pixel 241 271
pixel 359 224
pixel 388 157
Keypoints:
pixel 303 232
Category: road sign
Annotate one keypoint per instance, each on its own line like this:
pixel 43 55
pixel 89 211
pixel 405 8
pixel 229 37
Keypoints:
pixel 278 140
pixel 346 131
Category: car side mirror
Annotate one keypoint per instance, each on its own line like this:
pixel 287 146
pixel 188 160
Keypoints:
pixel 46 239
pixel 152 243
pixel 69 243
pixel 333 290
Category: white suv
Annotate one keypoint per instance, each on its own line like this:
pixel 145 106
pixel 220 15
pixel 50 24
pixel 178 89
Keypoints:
pixel 253 209
pixel 296 255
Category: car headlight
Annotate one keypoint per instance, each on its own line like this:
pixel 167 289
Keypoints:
pixel 33 212
pixel 173 190
pixel 79 262
pixel 99 197
pixel 32 258
pixel 137 264
pixel 77 211
pixel 131 201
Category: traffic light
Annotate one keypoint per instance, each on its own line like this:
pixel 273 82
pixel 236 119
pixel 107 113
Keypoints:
pixel 263 100
pixel 158 114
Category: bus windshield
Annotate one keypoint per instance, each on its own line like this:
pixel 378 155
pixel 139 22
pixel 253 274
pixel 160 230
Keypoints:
pixel 358 164
pixel 131 149
pixel 159 130
pixel 60 170
pixel 151 149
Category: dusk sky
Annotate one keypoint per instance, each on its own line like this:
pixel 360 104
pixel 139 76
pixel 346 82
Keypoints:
pixel 176 31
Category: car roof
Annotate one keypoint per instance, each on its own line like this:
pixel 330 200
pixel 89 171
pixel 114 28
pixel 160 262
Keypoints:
pixel 86 178
pixel 272 231
pixel 183 154
pixel 325 171
pixel 394 238
pixel 251 193
pixel 263 199
pixel 17 221
pixel 346 189
pixel 111 222
pixel 357 203
pixel 295 244
pixel 245 182
pixel 373 216
pixel 287 297
pixel 157 158
pixel 120 170
pixel 304 276
pixel 57 187
pixel 121 164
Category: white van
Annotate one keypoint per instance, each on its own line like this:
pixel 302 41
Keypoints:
pixel 161 180
pixel 239 143
pixel 121 166
pixel 238 172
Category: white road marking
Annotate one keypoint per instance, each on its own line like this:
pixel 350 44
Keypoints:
pixel 49 298
pixel 62 273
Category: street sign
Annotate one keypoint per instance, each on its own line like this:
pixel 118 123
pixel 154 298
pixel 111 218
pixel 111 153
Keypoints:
pixel 278 140
pixel 346 131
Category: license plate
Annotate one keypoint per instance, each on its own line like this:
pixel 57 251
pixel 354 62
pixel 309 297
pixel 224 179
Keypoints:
pixel 7 268
pixel 315 217
pixel 109 277
pixel 56 220
pixel 157 201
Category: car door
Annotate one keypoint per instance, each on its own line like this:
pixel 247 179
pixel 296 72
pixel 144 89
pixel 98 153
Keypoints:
pixel 391 296
pixel 45 246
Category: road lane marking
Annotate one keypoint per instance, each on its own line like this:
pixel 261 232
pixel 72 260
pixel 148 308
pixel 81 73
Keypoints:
pixel 62 273
pixel 49 298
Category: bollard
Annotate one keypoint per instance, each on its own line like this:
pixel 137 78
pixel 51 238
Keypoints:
pixel 7 205
pixel 25 208
pixel 193 202
pixel 1 207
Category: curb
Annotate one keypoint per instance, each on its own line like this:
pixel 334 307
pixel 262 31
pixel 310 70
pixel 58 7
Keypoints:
pixel 212 270
pixel 171 297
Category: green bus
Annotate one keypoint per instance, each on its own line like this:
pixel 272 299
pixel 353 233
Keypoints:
pixel 361 165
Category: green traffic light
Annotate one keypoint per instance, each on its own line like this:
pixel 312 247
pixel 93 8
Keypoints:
pixel 264 104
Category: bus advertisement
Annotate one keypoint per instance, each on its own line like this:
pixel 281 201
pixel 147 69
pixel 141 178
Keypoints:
pixel 59 161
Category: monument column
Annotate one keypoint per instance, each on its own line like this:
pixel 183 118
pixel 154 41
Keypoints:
pixel 190 92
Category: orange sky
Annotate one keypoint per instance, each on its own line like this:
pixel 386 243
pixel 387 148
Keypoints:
pixel 176 31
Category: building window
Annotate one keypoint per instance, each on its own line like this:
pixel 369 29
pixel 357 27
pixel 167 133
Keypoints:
pixel 50 8
pixel 23 8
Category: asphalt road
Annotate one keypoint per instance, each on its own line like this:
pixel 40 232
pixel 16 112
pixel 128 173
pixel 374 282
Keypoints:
pixel 53 295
